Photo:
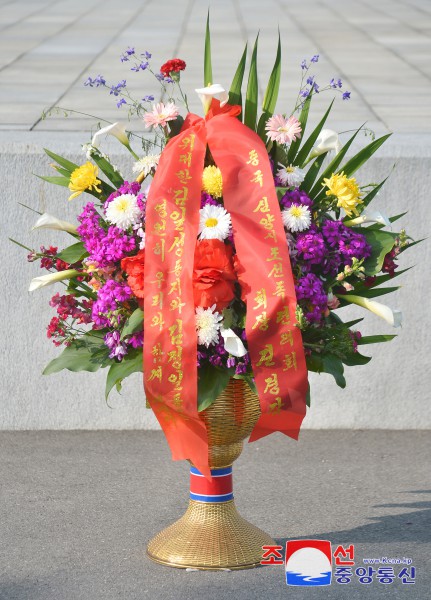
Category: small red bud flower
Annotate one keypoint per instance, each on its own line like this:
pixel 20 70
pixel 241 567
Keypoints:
pixel 172 66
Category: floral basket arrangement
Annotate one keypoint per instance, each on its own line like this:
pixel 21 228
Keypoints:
pixel 226 254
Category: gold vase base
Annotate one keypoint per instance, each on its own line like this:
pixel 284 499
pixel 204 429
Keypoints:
pixel 210 536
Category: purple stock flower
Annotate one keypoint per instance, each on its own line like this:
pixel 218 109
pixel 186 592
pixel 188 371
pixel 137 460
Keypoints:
pixel 311 297
pixel 108 297
pixel 311 246
pixel 118 348
pixel 296 197
pixel 207 199
pixel 136 340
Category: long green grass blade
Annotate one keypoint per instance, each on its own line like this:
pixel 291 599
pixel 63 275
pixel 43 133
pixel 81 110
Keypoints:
pixel 308 145
pixel 271 93
pixel 363 155
pixel 208 70
pixel 69 166
pixel 332 167
pixel 273 87
pixel 312 173
pixel 250 112
pixel 235 94
pixel 303 118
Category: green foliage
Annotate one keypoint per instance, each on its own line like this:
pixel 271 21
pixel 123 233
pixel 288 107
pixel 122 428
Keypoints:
pixel 235 93
pixel 208 71
pixel 381 243
pixel 250 112
pixel 211 383
pixel 134 323
pixel 73 253
pixel 305 150
pixel 131 363
pixel 363 155
pixel 303 118
pixel 87 353
pixel 67 164
pixel 271 93
pixel 107 169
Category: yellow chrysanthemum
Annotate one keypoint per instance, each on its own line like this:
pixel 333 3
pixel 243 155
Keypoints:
pixel 84 178
pixel 345 190
pixel 212 181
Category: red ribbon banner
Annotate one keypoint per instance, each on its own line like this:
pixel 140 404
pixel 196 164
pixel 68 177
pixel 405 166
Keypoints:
pixel 172 219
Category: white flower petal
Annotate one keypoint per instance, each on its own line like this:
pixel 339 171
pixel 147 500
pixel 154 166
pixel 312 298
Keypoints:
pixel 369 216
pixel 51 278
pixel 232 343
pixel 214 223
pixel 326 141
pixel 47 221
pixel 118 130
pixel 212 91
pixel 392 316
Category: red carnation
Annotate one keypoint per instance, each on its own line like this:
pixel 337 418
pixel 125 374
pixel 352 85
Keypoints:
pixel 213 275
pixel 175 65
pixel 134 267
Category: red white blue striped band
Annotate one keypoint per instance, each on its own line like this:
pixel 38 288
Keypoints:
pixel 219 489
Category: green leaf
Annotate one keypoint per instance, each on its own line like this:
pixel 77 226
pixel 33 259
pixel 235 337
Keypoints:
pixel 354 322
pixel 273 87
pixel 381 243
pixel 131 363
pixel 88 353
pixel 250 112
pixel 362 156
pixel 134 323
pixel 73 253
pixel 367 199
pixel 63 181
pixel 271 93
pixel 372 292
pixel 334 366
pixel 312 173
pixel 308 145
pixel 235 95
pixel 303 118
pixel 211 383
pixel 375 339
pixel 69 166
pixel 208 71
pixel 355 358
pixel 332 167
pixel 108 169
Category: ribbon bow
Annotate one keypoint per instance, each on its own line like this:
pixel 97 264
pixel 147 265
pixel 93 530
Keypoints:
pixel 172 221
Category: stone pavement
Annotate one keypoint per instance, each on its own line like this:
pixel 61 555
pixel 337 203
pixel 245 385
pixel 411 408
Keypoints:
pixel 48 48
pixel 77 509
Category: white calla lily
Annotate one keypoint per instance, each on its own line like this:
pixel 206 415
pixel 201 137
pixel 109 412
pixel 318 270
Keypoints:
pixel 369 216
pixel 214 90
pixel 327 140
pixel 51 278
pixel 47 221
pixel 232 343
pixel 392 316
pixel 118 130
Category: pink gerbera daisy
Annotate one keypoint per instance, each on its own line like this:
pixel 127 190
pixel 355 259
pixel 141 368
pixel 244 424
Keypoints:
pixel 161 114
pixel 282 130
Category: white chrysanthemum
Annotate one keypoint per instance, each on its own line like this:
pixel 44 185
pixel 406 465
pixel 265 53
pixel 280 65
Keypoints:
pixel 123 211
pixel 145 164
pixel 208 325
pixel 296 218
pixel 291 176
pixel 214 223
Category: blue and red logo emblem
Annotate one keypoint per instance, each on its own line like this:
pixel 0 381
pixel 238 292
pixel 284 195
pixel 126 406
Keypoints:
pixel 308 562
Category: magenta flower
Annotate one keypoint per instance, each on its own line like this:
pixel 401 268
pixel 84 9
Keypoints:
pixel 161 114
pixel 282 130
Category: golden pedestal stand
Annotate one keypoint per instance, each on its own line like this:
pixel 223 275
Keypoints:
pixel 212 535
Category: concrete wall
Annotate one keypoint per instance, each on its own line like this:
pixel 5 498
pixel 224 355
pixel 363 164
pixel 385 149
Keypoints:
pixel 391 392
